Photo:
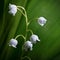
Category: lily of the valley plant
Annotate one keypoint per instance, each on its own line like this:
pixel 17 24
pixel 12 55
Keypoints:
pixel 28 44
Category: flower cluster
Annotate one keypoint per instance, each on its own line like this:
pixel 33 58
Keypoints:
pixel 34 38
pixel 13 10
pixel 28 44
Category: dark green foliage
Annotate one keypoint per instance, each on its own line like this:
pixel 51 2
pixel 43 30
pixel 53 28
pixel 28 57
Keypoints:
pixel 10 26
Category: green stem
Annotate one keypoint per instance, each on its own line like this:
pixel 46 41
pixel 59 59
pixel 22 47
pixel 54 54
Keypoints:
pixel 25 57
pixel 33 20
pixel 20 36
pixel 27 23
pixel 30 31
pixel 21 11
pixel 25 14
pixel 21 7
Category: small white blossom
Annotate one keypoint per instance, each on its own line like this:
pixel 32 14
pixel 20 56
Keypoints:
pixel 42 21
pixel 12 9
pixel 13 43
pixel 27 45
pixel 34 38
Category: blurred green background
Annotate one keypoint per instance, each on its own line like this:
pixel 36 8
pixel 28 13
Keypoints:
pixel 49 46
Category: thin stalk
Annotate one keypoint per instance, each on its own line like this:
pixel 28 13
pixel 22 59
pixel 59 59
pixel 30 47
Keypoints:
pixel 25 57
pixel 27 23
pixel 26 26
pixel 30 31
pixel 21 11
pixel 20 36
pixel 25 14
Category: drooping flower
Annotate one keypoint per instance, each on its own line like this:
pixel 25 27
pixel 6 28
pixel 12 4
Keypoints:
pixel 34 38
pixel 12 9
pixel 13 43
pixel 28 45
pixel 42 21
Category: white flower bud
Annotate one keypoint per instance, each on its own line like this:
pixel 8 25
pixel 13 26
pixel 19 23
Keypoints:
pixel 42 21
pixel 34 38
pixel 13 43
pixel 27 45
pixel 12 9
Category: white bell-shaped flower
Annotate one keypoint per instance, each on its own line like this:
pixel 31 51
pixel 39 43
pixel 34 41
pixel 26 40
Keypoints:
pixel 42 21
pixel 34 38
pixel 28 45
pixel 12 9
pixel 13 43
